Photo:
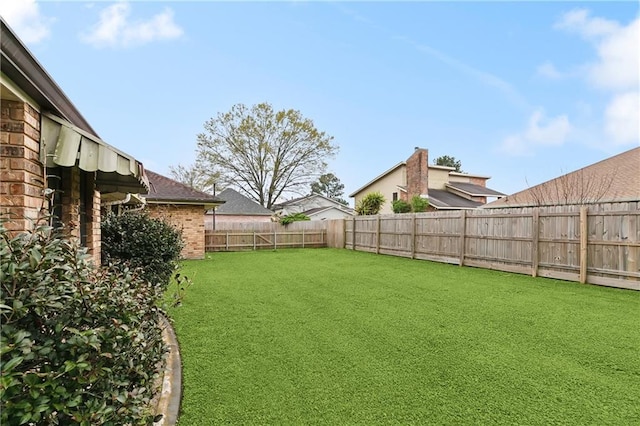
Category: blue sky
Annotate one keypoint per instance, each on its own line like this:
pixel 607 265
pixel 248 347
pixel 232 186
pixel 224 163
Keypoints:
pixel 521 92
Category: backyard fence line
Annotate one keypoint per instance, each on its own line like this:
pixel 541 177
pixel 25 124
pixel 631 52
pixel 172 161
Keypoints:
pixel 266 235
pixel 597 244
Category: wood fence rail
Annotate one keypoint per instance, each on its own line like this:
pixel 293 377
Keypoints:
pixel 266 236
pixel 598 244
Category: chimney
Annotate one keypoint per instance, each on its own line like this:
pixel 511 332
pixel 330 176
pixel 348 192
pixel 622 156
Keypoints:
pixel 418 173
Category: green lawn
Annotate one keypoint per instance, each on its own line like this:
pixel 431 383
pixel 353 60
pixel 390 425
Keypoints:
pixel 331 336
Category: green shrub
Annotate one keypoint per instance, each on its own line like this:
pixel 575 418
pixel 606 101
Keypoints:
pixel 370 204
pixel 294 217
pixel 400 206
pixel 78 345
pixel 143 242
pixel 419 204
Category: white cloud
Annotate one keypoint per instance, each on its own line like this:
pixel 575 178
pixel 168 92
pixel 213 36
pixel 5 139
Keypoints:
pixel 618 48
pixel 549 70
pixel 25 19
pixel 618 65
pixel 622 118
pixel 615 70
pixel 540 132
pixel 579 21
pixel 116 30
pixel 484 77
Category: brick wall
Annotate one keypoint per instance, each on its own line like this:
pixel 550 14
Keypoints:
pixel 478 181
pixel 22 179
pixel 187 218
pixel 94 217
pixel 418 173
pixel 21 173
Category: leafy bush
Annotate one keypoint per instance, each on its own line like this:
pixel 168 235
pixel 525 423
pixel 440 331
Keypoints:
pixel 78 345
pixel 400 206
pixel 144 242
pixel 370 204
pixel 419 204
pixel 294 217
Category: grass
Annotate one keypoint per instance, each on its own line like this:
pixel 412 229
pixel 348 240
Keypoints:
pixel 330 336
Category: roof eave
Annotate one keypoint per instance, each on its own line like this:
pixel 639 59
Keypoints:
pixel 19 65
pixel 206 203
pixel 474 194
pixel 469 175
pixel 400 164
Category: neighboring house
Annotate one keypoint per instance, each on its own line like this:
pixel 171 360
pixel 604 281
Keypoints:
pixel 237 208
pixel 316 206
pixel 51 160
pixel 615 179
pixel 445 188
pixel 184 208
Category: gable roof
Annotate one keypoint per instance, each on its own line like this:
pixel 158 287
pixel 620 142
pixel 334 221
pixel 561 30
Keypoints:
pixel 166 190
pixel 297 200
pixel 318 210
pixel 614 179
pixel 238 204
pixel 444 200
pixel 377 178
pixel 65 132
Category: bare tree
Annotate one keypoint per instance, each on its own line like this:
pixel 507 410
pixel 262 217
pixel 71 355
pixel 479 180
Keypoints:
pixel 583 186
pixel 265 153
pixel 197 177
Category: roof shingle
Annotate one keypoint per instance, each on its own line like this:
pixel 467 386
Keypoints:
pixel 238 204
pixel 163 188
pixel 447 200
pixel 614 179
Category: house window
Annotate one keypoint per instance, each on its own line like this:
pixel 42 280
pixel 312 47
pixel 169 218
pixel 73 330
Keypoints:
pixel 395 196
pixel 54 183
pixel 86 207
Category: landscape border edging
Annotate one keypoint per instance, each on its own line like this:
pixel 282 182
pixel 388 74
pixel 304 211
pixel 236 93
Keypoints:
pixel 171 393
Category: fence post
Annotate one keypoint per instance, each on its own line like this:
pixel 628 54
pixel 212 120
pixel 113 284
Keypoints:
pixel 463 234
pixel 535 241
pixel 378 234
pixel 413 236
pixel 275 240
pixel 583 244
pixel 302 237
pixel 254 240
pixel 226 241
pixel 353 234
pixel 344 233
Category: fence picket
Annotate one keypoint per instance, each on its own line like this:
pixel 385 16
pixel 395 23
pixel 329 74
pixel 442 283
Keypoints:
pixel 598 244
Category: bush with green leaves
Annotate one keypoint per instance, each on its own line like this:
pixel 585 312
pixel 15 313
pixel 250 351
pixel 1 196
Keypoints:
pixel 143 242
pixel 419 204
pixel 400 206
pixel 79 345
pixel 294 217
pixel 371 204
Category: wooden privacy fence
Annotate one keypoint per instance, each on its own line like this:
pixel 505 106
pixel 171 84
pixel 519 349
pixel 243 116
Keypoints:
pixel 257 236
pixel 598 244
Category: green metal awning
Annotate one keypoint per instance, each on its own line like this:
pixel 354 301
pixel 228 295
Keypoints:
pixel 66 145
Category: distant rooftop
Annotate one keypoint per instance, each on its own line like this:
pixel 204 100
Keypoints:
pixel 240 205
pixel 164 189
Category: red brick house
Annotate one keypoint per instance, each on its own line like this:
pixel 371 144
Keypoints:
pixel 183 207
pixel 51 159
